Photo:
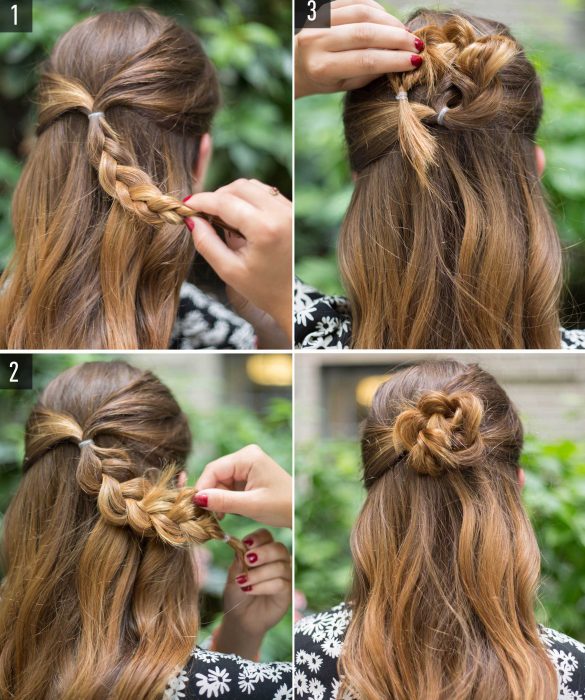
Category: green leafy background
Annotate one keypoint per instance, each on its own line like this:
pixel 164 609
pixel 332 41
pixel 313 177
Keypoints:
pixel 329 494
pixel 264 420
pixel 248 40
pixel 323 185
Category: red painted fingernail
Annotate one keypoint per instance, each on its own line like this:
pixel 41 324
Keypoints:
pixel 247 588
pixel 201 499
pixel 419 44
pixel 248 541
pixel 189 224
pixel 252 557
pixel 186 198
pixel 241 579
pixel 416 60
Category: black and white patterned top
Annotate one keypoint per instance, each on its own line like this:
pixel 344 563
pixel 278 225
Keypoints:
pixel 209 674
pixel 319 640
pixel 204 322
pixel 324 321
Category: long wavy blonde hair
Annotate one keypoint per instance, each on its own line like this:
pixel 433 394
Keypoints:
pixel 101 248
pixel 446 564
pixel 100 595
pixel 447 242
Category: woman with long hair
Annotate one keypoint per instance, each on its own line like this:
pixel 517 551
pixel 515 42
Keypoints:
pixel 445 561
pixel 103 255
pixel 100 595
pixel 447 241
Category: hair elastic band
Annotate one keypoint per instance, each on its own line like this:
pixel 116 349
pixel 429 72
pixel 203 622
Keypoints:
pixel 227 538
pixel 95 114
pixel 441 116
pixel 85 442
pixel 402 95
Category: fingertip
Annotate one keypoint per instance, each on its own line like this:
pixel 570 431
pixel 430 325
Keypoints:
pixel 201 500
pixel 189 223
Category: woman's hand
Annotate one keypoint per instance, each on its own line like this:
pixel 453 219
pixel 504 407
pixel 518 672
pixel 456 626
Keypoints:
pixel 258 266
pixel 363 42
pixel 256 600
pixel 247 482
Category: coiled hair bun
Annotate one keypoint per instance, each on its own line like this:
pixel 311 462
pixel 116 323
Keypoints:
pixel 443 431
pixel 438 419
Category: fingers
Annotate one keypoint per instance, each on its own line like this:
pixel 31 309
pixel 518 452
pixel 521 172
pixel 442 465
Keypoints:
pixel 351 13
pixel 373 62
pixel 208 244
pixel 220 500
pixel 266 553
pixel 234 210
pixel 269 566
pixel 367 35
pixel 258 538
pixel 277 569
pixel 230 470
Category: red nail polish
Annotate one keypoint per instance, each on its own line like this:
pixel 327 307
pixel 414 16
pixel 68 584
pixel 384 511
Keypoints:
pixel 416 60
pixel 186 198
pixel 247 588
pixel 201 499
pixel 241 579
pixel 252 557
pixel 419 44
pixel 248 542
pixel 189 224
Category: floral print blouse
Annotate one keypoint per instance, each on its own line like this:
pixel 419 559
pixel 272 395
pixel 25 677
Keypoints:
pixel 319 640
pixel 210 674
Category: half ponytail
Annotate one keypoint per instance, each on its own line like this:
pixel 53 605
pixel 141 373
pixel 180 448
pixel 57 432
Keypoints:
pixel 101 247
pixel 446 564
pixel 100 597
pixel 447 242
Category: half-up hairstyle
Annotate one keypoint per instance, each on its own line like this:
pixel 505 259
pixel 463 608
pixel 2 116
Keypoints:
pixel 101 248
pixel 446 564
pixel 447 242
pixel 100 595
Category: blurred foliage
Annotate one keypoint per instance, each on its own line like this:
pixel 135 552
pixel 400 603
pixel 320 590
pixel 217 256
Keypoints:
pixel 329 495
pixel 219 431
pixel 323 183
pixel 249 42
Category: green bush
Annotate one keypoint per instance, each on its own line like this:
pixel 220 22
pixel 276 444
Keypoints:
pixel 323 184
pixel 248 41
pixel 217 432
pixel 329 496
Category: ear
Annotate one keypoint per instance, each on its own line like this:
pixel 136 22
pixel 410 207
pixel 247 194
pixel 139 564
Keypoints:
pixel 521 478
pixel 202 163
pixel 181 479
pixel 540 160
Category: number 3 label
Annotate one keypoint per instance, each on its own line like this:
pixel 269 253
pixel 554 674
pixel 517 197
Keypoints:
pixel 312 16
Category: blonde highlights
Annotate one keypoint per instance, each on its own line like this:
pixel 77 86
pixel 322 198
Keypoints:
pixel 447 242
pixel 101 248
pixel 100 597
pixel 446 564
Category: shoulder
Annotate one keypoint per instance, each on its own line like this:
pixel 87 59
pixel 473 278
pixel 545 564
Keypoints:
pixel 321 320
pixel 204 322
pixel 572 340
pixel 318 643
pixel 568 656
pixel 210 674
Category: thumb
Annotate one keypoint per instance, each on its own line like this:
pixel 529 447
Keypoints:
pixel 211 247
pixel 223 501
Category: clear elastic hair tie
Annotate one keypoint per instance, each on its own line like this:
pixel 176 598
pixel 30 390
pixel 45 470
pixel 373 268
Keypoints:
pixel 95 114
pixel 441 116
pixel 402 95
pixel 85 442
